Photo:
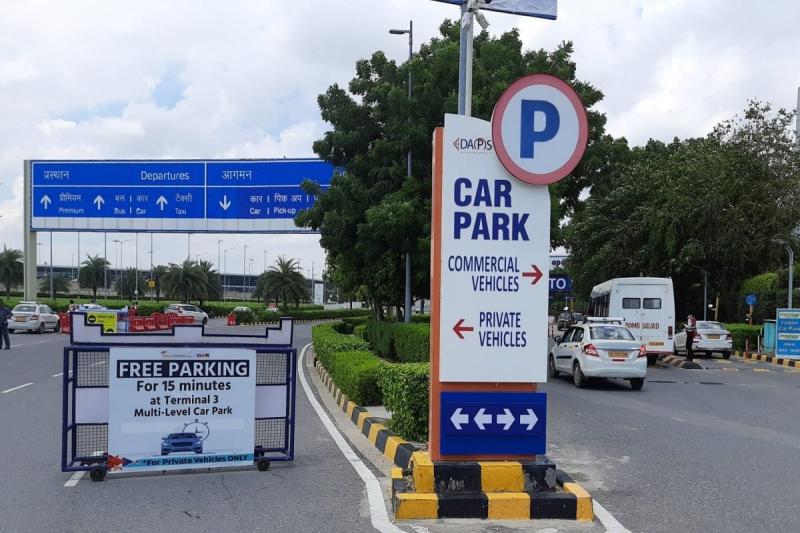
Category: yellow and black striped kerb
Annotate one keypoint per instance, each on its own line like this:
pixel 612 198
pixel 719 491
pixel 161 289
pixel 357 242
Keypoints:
pixel 394 448
pixel 766 358
pixel 507 490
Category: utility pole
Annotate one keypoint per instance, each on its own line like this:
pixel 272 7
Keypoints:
pixel 52 296
pixel 136 269
pixel 105 264
pixel 244 270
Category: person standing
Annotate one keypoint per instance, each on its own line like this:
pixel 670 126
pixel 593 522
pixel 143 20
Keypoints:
pixel 691 330
pixel 5 314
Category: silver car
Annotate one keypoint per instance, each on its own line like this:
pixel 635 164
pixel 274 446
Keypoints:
pixel 31 316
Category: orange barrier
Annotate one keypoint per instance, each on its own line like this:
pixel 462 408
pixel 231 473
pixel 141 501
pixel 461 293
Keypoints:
pixel 64 322
pixel 231 319
pixel 135 324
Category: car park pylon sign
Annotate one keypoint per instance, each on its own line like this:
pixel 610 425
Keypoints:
pixel 489 276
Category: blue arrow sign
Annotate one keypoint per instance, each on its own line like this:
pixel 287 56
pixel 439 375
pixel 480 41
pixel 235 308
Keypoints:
pixel 202 196
pixel 493 423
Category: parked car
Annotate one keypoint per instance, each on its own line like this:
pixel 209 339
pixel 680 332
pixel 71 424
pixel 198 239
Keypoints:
pixel 242 309
pixel 181 442
pixel 710 337
pixel 597 349
pixel 32 316
pixel 188 310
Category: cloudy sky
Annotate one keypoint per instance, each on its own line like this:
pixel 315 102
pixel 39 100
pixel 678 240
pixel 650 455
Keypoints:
pixel 228 79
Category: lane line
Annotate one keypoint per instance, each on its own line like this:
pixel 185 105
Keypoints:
pixel 60 374
pixel 377 510
pixel 76 476
pixel 12 389
pixel 611 524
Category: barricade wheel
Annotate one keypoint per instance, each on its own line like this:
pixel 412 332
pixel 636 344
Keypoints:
pixel 262 464
pixel 97 473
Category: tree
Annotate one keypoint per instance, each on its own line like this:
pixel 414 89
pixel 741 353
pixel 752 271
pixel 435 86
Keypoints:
pixel 128 282
pixel 373 214
pixel 61 285
pixel 712 203
pixel 11 268
pixel 158 275
pixel 283 282
pixel 92 273
pixel 185 281
pixel 212 289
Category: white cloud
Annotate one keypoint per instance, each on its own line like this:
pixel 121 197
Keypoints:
pixel 80 79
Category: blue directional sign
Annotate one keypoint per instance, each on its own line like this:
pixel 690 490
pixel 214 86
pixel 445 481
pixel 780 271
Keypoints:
pixel 787 333
pixel 751 299
pixel 560 283
pixel 493 423
pixel 199 196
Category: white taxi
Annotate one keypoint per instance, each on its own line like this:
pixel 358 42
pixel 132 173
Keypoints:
pixel 599 349
pixel 33 317
pixel 710 337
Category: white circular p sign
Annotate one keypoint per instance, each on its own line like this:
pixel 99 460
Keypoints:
pixel 539 129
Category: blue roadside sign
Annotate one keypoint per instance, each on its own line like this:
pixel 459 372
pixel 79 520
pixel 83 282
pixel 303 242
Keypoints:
pixel 560 283
pixel 787 333
pixel 751 299
pixel 547 9
pixel 493 423
pixel 213 196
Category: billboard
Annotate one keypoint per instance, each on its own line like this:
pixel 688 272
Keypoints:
pixel 547 9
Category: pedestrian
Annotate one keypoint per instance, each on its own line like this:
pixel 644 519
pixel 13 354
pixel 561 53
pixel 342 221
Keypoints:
pixel 72 307
pixel 691 329
pixel 5 314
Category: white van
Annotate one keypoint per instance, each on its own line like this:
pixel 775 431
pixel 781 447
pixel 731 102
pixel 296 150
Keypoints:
pixel 647 306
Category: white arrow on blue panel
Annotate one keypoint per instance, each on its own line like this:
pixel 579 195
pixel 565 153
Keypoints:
pixel 458 418
pixel 506 418
pixel 98 201
pixel 481 419
pixel 530 419
pixel 161 202
pixel 225 203
pixel 45 201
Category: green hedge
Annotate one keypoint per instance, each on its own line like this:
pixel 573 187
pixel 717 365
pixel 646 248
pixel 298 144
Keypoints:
pixel 412 342
pixel 379 335
pixel 741 332
pixel 405 395
pixel 353 367
pixel 421 319
pixel 245 317
pixel 360 331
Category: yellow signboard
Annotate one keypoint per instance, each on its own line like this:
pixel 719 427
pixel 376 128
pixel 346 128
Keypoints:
pixel 151 284
pixel 107 320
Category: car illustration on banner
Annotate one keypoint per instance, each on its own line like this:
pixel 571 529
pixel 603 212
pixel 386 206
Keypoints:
pixel 181 442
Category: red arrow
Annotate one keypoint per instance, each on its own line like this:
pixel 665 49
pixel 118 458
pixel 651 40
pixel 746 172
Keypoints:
pixel 458 328
pixel 536 274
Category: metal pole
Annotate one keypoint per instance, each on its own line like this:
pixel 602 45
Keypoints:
pixel 705 295
pixel 78 276
pixel 791 273
pixel 219 253
pixel 797 121
pixel 465 62
pixel 188 246
pixel 265 260
pixel 244 270
pixel 51 267
pixel 408 170
pixel 105 264
pixel 136 270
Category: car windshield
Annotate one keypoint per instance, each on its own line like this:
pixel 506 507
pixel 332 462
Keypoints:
pixel 24 309
pixel 611 333
pixel 181 436
pixel 710 325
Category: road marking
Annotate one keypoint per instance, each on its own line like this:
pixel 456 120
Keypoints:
pixel 761 370
pixel 60 374
pixel 76 476
pixel 611 524
pixel 377 510
pixel 12 389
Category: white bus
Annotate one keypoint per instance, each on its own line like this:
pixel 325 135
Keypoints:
pixel 647 306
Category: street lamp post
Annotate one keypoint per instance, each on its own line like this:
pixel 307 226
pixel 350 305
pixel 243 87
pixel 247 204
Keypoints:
pixel 119 258
pixel 410 32
pixel 38 255
pixel 247 281
pixel 225 269
pixel 52 296
pixel 791 268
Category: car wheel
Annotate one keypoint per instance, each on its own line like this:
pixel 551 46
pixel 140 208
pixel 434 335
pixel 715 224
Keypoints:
pixel 674 349
pixel 205 321
pixel 57 328
pixel 577 375
pixel 551 367
pixel 651 359
pixel 41 328
pixel 726 355
pixel 12 331
pixel 637 383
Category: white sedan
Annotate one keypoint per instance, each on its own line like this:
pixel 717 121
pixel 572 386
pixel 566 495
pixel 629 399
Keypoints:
pixel 30 316
pixel 599 350
pixel 710 337
pixel 197 314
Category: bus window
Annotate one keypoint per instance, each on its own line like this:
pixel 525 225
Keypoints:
pixel 652 303
pixel 631 303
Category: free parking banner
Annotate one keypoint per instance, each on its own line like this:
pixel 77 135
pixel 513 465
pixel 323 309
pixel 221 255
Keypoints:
pixel 173 408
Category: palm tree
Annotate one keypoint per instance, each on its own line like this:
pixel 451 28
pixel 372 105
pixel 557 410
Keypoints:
pixel 126 283
pixel 213 289
pixel 185 281
pixel 158 276
pixel 282 281
pixel 10 268
pixel 92 273
pixel 61 285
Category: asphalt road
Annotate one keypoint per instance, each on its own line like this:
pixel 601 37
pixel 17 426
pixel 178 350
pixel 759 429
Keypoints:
pixel 319 491
pixel 714 450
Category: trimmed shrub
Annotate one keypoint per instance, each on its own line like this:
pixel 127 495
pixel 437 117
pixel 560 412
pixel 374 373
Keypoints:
pixel 405 395
pixel 421 319
pixel 360 331
pixel 412 342
pixel 379 335
pixel 357 374
pixel 742 332
pixel 328 341
pixel 245 317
